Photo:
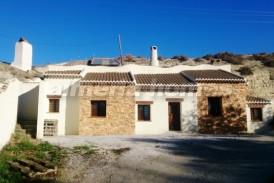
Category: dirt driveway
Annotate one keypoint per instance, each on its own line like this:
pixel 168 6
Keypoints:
pixel 171 158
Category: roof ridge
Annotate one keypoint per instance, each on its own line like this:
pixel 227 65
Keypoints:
pixel 188 77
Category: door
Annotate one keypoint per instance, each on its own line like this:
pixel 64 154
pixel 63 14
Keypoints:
pixel 174 115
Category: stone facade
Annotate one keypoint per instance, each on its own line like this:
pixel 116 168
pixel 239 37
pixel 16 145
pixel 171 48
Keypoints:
pixel 120 110
pixel 260 85
pixel 233 118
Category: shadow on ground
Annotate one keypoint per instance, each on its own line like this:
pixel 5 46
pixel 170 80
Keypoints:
pixel 217 159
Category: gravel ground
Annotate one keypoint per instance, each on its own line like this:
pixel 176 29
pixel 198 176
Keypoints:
pixel 170 158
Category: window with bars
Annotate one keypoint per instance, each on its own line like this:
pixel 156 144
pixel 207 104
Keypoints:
pixel 50 127
pixel 54 105
pixel 98 108
pixel 143 112
pixel 256 114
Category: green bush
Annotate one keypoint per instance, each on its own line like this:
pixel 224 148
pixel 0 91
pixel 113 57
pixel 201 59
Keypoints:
pixel 208 57
pixel 266 59
pixel 198 59
pixel 9 176
pixel 161 58
pixel 181 58
pixel 229 57
pixel 245 71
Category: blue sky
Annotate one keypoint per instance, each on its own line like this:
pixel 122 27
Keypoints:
pixel 63 30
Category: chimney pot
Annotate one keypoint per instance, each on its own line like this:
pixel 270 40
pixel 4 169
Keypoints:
pixel 154 56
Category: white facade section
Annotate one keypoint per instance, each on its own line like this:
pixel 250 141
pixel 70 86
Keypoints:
pixel 23 55
pixel 8 112
pixel 159 122
pixel 154 56
pixel 28 101
pixel 259 126
pixel 68 116
pixel 138 69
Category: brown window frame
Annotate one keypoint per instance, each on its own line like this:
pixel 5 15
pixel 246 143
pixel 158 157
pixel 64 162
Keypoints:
pixel 98 108
pixel 215 106
pixel 141 112
pixel 256 117
pixel 54 105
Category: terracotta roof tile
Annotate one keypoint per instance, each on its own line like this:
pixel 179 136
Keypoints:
pixel 257 100
pixel 108 78
pixel 63 74
pixel 212 76
pixel 170 82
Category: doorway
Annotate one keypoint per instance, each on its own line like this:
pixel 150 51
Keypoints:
pixel 174 115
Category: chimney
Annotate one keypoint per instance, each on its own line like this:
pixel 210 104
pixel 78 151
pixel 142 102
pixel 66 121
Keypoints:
pixel 154 56
pixel 23 55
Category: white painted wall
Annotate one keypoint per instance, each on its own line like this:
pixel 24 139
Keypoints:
pixel 159 113
pixel 28 101
pixel 23 55
pixel 8 111
pixel 137 69
pixel 253 127
pixel 68 116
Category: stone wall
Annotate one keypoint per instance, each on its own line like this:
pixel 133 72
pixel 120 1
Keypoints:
pixel 120 110
pixel 233 119
pixel 260 85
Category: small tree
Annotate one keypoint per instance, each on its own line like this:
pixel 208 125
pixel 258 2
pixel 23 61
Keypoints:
pixel 161 58
pixel 198 59
pixel 181 58
pixel 245 71
pixel 208 57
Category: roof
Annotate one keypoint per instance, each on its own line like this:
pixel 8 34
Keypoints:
pixel 69 74
pixel 108 78
pixel 104 62
pixel 213 76
pixel 169 82
pixel 257 100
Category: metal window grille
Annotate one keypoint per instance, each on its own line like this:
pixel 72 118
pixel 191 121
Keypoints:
pixel 50 127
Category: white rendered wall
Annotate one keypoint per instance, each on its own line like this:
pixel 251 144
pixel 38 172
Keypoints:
pixel 23 56
pixel 68 115
pixel 253 127
pixel 137 69
pixel 159 113
pixel 8 112
pixel 28 101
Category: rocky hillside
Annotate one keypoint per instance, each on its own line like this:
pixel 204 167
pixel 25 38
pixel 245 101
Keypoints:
pixel 8 72
pixel 258 69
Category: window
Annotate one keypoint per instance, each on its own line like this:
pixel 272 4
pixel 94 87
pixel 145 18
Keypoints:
pixel 98 108
pixel 54 105
pixel 215 106
pixel 143 112
pixel 50 127
pixel 256 114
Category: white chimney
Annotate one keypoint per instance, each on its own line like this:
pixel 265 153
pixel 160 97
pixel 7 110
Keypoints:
pixel 23 55
pixel 154 56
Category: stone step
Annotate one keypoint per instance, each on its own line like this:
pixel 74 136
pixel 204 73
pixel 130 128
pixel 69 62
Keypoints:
pixel 27 129
pixel 28 126
pixel 27 122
